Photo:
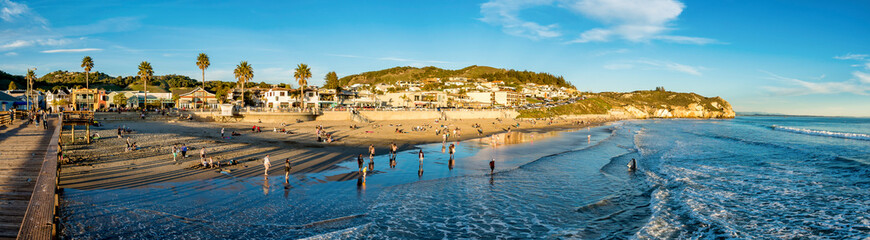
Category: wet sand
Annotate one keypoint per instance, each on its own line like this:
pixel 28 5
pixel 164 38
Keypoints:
pixel 104 164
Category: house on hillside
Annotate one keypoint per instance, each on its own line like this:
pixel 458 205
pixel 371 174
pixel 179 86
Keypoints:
pixel 197 98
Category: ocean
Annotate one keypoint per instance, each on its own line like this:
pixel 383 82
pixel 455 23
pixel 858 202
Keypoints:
pixel 744 178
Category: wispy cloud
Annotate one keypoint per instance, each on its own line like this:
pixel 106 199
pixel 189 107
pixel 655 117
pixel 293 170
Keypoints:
pixel 798 87
pixel 631 20
pixel 11 54
pixel 656 65
pixel 851 56
pixel 71 50
pixel 23 27
pixel 414 62
pixel 506 14
pixel 862 77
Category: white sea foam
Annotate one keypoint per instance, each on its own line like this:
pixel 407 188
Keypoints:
pixel 858 136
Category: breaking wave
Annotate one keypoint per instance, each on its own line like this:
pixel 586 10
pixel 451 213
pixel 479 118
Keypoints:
pixel 857 136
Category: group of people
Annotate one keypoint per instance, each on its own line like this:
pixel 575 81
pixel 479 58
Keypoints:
pixel 322 135
pixel 267 164
pixel 181 149
pixel 131 145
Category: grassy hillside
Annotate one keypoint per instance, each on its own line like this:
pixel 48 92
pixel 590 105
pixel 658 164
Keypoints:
pixel 648 101
pixel 413 74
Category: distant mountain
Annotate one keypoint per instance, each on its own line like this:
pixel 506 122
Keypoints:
pixel 414 74
pixel 640 104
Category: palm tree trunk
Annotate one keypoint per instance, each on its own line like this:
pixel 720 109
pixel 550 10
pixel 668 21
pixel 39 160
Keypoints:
pixel 145 106
pixel 203 89
pixel 86 79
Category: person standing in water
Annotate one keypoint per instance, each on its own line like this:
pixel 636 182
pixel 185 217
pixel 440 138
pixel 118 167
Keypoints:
pixel 492 166
pixel 393 149
pixel 360 160
pixel 420 154
pixel 267 164
pixel 287 170
pixel 371 151
pixel 632 165
pixel 452 150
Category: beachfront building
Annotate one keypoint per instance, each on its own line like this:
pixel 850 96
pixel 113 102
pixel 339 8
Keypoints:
pixel 364 98
pixel 88 99
pixel 427 99
pixel 280 98
pixel 504 98
pixel 7 102
pixel 197 98
pixel 136 98
pixel 58 100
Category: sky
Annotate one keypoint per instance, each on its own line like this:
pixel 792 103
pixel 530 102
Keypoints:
pixel 773 56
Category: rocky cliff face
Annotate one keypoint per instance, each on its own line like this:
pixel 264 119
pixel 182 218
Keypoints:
pixel 654 104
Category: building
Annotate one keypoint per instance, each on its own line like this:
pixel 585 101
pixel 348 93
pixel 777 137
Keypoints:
pixel 505 98
pixel 429 99
pixel 136 98
pixel 88 99
pixel 197 98
pixel 7 102
pixel 279 98
pixel 58 100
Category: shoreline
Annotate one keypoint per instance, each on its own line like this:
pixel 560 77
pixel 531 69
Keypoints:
pixel 104 164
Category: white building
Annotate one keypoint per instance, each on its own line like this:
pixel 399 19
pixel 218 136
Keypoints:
pixel 506 98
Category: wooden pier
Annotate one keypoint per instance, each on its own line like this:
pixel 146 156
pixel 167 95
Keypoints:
pixel 28 180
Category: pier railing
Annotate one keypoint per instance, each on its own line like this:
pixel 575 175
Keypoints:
pixel 40 219
pixel 5 117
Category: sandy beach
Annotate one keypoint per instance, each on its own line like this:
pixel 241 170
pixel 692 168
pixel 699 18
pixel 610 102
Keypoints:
pixel 104 164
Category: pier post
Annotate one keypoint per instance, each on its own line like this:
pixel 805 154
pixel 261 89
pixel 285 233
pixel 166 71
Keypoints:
pixel 88 131
pixel 73 138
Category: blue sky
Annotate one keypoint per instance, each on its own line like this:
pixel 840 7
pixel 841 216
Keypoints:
pixel 788 56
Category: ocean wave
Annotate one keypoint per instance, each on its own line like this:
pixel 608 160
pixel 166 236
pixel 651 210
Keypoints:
pixel 847 135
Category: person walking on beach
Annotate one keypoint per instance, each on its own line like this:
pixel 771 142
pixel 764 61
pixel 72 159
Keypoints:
pixel 287 170
pixel 183 150
pixel 452 150
pixel 222 132
pixel 202 153
pixel 175 153
pixel 266 164
pixel 360 160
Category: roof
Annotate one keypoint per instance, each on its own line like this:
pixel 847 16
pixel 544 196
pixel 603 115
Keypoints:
pixel 197 89
pixel 7 97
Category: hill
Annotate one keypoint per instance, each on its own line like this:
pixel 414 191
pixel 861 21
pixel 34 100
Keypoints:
pixel 413 74
pixel 640 104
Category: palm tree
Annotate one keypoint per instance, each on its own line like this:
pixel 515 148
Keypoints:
pixel 203 63
pixel 145 73
pixel 244 72
pixel 302 74
pixel 87 64
pixel 30 76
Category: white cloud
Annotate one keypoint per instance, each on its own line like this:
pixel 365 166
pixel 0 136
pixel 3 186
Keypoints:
pixel 16 44
pixel 13 12
pixel 22 27
pixel 11 54
pixel 862 77
pixel 797 87
pixel 851 56
pixel 506 14
pixel 631 20
pixel 672 66
pixel 71 50
pixel 655 65
pixel 618 66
